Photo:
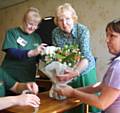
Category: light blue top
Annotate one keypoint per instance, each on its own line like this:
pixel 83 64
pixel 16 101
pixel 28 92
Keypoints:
pixel 80 35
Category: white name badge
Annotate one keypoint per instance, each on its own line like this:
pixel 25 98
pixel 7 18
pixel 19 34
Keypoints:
pixel 21 41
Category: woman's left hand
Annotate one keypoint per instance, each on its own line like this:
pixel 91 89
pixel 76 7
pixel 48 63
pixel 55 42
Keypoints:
pixel 65 90
pixel 33 87
pixel 68 75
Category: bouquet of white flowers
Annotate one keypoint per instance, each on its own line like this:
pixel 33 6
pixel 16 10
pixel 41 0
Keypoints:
pixel 55 60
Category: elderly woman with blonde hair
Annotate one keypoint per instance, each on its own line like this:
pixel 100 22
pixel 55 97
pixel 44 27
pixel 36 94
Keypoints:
pixel 69 32
pixel 22 47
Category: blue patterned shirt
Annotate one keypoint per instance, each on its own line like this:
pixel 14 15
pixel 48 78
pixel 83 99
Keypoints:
pixel 80 35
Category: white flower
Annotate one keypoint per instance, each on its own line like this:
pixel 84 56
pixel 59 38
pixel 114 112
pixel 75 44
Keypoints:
pixel 50 50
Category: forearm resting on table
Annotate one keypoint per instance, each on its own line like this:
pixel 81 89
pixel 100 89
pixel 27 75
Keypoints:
pixel 6 102
pixel 107 96
pixel 90 99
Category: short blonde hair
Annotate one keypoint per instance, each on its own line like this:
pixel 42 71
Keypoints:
pixel 65 7
pixel 32 14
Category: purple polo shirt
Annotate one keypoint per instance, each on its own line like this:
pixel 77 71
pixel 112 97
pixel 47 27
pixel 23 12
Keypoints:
pixel 112 79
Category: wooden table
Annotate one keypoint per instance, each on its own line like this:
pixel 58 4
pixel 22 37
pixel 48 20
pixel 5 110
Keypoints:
pixel 48 105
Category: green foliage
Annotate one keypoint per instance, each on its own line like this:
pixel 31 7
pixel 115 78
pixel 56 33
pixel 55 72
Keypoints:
pixel 69 55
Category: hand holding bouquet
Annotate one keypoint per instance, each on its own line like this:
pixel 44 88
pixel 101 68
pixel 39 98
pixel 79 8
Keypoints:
pixel 56 60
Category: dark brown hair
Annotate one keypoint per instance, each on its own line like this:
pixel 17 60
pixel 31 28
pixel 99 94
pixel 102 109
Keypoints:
pixel 114 25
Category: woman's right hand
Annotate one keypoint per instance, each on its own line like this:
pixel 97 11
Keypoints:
pixel 27 99
pixel 37 51
pixel 41 48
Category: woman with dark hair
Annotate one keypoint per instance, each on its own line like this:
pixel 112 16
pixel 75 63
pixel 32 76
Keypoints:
pixel 109 88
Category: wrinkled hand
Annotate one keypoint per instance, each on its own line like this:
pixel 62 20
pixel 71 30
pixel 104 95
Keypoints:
pixel 28 99
pixel 33 87
pixel 65 90
pixel 40 48
pixel 68 75
pixel 37 51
